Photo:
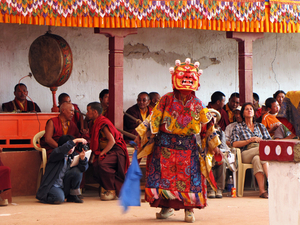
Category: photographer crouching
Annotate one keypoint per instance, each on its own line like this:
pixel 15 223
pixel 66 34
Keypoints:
pixel 60 180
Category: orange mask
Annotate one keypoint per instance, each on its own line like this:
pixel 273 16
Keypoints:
pixel 185 76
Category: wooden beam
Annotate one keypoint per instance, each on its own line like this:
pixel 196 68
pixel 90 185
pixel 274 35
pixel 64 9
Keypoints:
pixel 116 55
pixel 245 49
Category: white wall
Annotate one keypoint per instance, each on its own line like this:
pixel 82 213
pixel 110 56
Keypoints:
pixel 284 200
pixel 148 56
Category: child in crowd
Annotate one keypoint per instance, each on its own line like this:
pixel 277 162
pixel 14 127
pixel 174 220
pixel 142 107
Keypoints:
pixel 276 129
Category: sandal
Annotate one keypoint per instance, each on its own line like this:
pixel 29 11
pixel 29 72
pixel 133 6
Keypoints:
pixel 264 195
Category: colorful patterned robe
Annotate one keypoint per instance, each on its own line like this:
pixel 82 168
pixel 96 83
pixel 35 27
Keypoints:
pixel 175 168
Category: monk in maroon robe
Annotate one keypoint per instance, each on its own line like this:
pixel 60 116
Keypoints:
pixel 59 126
pixel 20 103
pixel 77 118
pixel 140 111
pixel 5 182
pixel 110 160
pixel 104 100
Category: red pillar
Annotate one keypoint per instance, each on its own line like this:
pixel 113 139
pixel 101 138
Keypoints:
pixel 116 48
pixel 245 41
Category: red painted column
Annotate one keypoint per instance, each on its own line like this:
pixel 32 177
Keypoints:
pixel 116 49
pixel 245 41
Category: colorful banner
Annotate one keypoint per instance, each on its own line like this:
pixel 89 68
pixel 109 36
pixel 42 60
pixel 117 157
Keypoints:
pixel 139 10
pixel 285 11
pixel 229 15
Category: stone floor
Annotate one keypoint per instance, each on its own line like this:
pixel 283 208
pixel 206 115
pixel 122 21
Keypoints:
pixel 249 210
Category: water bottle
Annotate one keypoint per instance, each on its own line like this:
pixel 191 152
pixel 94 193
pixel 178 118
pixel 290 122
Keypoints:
pixel 229 185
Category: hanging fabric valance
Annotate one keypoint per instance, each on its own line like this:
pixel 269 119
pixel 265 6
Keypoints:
pixel 229 15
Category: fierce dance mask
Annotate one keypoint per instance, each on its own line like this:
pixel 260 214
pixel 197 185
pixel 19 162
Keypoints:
pixel 185 76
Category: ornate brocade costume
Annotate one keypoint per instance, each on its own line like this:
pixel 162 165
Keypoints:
pixel 175 168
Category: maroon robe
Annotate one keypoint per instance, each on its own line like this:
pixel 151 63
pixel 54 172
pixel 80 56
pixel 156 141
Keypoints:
pixel 13 106
pixel 5 182
pixel 130 124
pixel 111 170
pixel 58 132
pixel 76 117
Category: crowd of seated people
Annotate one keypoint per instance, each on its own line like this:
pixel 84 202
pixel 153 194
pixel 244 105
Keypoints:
pixel 240 126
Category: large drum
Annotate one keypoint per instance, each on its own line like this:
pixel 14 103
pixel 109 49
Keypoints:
pixel 50 60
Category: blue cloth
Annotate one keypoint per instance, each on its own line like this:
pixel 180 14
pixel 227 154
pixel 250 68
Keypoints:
pixel 131 192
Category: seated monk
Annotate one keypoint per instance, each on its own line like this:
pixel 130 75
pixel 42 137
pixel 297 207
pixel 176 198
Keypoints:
pixel 59 126
pixel 154 98
pixel 5 182
pixel 77 118
pixel 140 111
pixel 104 100
pixel 110 159
pixel 20 103
pixel 233 103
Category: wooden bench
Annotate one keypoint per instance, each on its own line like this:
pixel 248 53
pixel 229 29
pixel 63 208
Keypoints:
pixel 18 129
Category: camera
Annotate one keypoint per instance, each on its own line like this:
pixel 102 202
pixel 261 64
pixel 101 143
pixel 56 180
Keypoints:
pixel 81 147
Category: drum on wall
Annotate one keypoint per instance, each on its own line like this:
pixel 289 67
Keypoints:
pixel 50 60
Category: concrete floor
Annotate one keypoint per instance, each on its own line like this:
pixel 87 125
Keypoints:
pixel 249 210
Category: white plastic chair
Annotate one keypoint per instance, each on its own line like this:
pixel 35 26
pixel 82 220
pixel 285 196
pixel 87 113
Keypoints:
pixel 36 145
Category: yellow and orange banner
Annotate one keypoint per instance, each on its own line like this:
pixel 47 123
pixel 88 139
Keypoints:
pixel 229 15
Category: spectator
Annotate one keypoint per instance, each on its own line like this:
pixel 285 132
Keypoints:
pixel 256 105
pixel 237 118
pixel 59 126
pixel 20 103
pixel 154 98
pixel 233 103
pixel 264 110
pixel 77 118
pixel 60 180
pixel 111 160
pixel 104 100
pixel 246 136
pixel 271 122
pixel 269 119
pixel 217 103
pixel 279 96
pixel 139 111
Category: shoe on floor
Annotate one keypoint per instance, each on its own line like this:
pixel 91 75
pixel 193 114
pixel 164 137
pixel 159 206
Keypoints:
pixel 3 202
pixel 211 194
pixel 219 194
pixel 165 213
pixel 189 217
pixel 107 195
pixel 264 195
pixel 74 198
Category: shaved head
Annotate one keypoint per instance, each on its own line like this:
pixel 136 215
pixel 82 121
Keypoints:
pixel 65 106
pixel 67 110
